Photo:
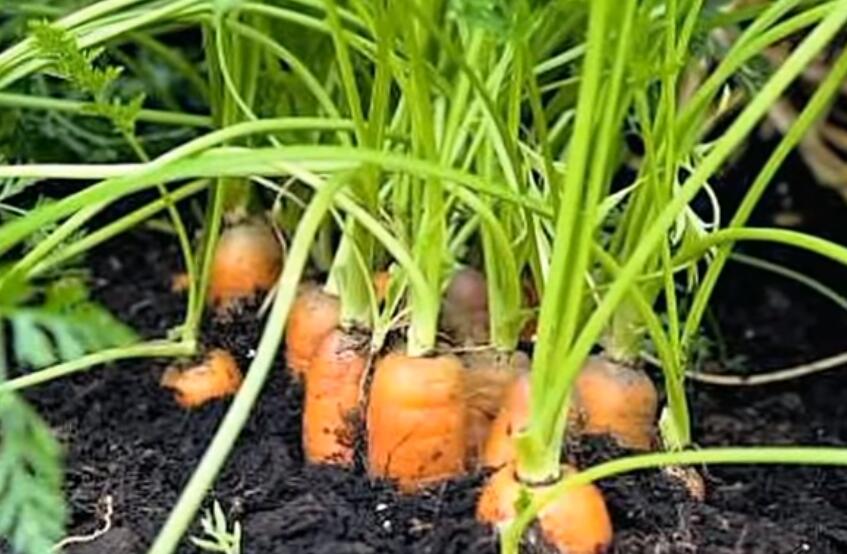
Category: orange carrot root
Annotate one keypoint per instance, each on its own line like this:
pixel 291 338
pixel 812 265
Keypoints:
pixel 332 398
pixel 248 259
pixel 381 281
pixel 180 282
pixel 618 400
pixel 464 313
pixel 513 416
pixel 487 378
pixel 217 377
pixel 577 522
pixel 313 316
pixel 416 420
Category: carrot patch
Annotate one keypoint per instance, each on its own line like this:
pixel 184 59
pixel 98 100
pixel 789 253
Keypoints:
pixel 217 377
pixel 618 400
pixel 248 259
pixel 313 316
pixel 416 420
pixel 332 398
pixel 487 378
pixel 576 522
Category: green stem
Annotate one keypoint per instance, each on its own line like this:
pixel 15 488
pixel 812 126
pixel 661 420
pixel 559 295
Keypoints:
pixel 154 349
pixel 811 243
pixel 816 106
pixel 12 100
pixel 114 229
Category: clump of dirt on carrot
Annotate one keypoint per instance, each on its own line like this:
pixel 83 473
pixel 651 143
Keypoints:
pixel 313 316
pixel 248 260
pixel 218 376
pixel 575 522
pixel 416 420
pixel 331 409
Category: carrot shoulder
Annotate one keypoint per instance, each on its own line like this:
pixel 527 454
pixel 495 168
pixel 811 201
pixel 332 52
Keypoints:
pixel 616 399
pixel 416 420
pixel 513 416
pixel 248 259
pixel 313 316
pixel 332 398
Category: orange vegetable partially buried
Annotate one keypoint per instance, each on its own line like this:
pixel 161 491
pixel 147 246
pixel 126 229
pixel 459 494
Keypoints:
pixel 513 416
pixel 575 522
pixel 416 420
pixel 330 412
pixel 313 316
pixel 616 399
pixel 218 376
pixel 487 378
pixel 248 260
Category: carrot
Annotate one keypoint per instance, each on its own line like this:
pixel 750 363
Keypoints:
pixel 180 282
pixel 499 447
pixel 616 399
pixel 248 259
pixel 487 378
pixel 464 313
pixel 416 420
pixel 332 398
pixel 576 522
pixel 381 282
pixel 313 316
pixel 217 377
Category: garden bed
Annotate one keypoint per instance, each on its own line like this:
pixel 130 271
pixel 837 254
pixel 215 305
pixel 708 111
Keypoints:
pixel 127 439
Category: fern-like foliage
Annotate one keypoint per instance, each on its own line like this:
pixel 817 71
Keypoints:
pixel 76 66
pixel 217 537
pixel 65 324
pixel 32 508
pixel 47 323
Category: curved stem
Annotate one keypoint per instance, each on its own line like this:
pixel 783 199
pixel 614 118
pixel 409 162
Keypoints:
pixel 769 377
pixel 153 349
pixel 26 101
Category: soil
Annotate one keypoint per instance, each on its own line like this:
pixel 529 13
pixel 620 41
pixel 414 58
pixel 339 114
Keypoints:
pixel 128 441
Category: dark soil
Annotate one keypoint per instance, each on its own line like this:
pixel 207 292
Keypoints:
pixel 126 438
